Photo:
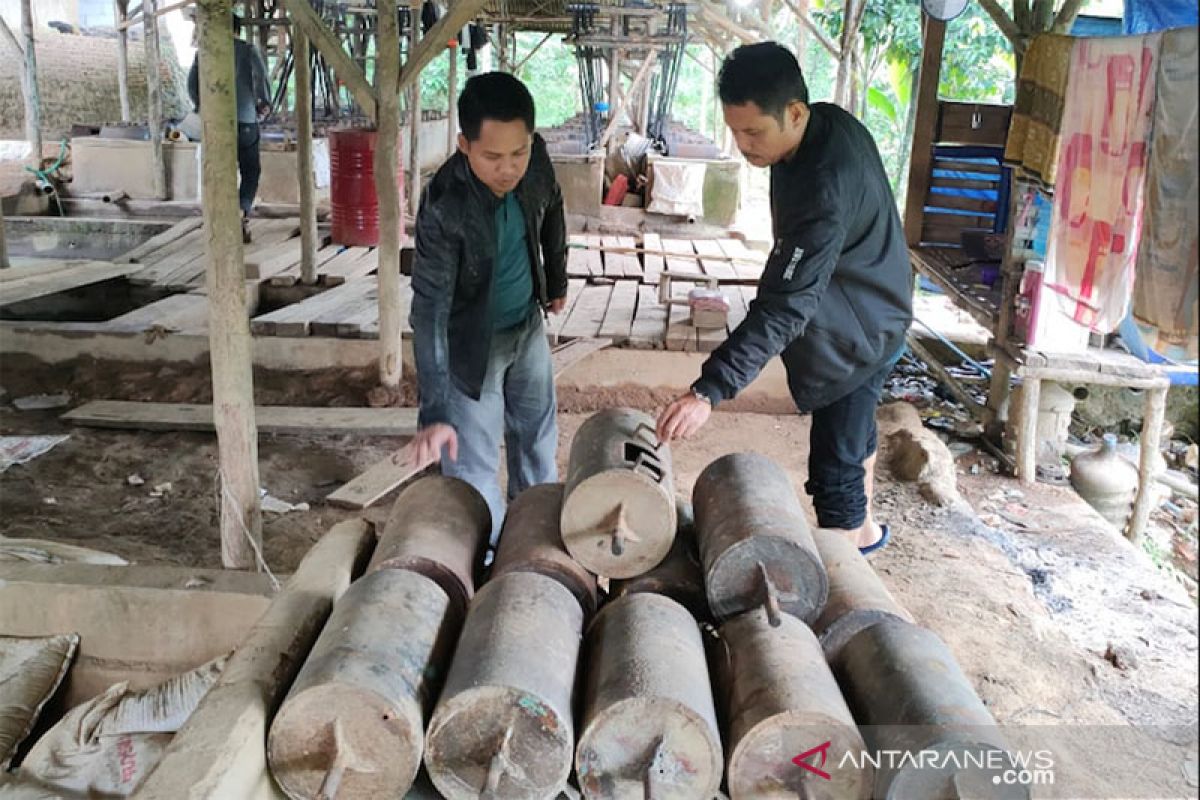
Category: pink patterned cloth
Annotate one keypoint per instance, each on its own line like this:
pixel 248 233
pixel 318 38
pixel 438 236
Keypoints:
pixel 1101 177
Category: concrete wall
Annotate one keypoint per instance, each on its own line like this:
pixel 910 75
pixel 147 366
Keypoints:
pixel 77 79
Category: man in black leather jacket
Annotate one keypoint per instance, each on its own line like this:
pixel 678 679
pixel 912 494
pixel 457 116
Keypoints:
pixel 835 298
pixel 490 262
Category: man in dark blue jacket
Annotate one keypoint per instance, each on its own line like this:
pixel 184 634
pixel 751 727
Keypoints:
pixel 490 261
pixel 835 298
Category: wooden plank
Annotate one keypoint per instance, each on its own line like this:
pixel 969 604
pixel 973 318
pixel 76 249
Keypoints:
pixel 964 183
pixel 617 265
pixel 357 299
pixel 746 262
pixel 933 38
pixel 290 276
pixel 264 263
pixel 364 324
pixel 294 319
pixel 719 268
pixel 618 318
pixel 177 312
pixel 653 263
pixel 130 415
pixel 354 262
pixel 681 256
pixel 565 356
pixel 588 313
pixel 80 273
pixel 267 234
pixel 649 328
pixel 24 267
pixel 578 261
pixel 373 485
pixel 592 256
pixel 943 200
pixel 984 167
pixel 147 248
pixel 633 264
pixel 557 321
pixel 681 335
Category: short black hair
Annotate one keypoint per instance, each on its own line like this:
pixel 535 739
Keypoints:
pixel 496 96
pixel 766 74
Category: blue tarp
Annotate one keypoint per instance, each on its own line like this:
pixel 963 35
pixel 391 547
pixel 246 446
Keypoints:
pixel 1147 16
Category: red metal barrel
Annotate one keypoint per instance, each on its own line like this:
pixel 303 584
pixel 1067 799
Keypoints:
pixel 355 206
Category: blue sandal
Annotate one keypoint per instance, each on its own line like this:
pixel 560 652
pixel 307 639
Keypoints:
pixel 883 540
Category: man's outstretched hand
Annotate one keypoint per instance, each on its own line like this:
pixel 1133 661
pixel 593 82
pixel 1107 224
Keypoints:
pixel 683 417
pixel 426 447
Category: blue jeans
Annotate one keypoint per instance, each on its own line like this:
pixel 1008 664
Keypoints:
pixel 518 401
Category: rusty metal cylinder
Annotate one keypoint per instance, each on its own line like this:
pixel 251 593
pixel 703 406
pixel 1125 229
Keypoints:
pixel 755 543
pixel 908 692
pixel 679 576
pixel 857 598
pixel 438 527
pixel 618 517
pixel 503 727
pixel 352 724
pixel 649 725
pixel 782 701
pixel 532 542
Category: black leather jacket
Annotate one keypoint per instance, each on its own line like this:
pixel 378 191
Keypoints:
pixel 452 271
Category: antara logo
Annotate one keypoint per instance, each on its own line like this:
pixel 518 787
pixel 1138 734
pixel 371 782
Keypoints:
pixel 821 749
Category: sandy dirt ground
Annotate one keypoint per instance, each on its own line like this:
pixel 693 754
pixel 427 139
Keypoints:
pixel 1055 618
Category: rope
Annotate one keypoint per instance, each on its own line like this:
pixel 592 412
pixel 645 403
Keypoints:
pixel 258 556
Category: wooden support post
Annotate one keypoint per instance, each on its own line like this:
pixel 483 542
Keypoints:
pixel 228 321
pixel 1027 435
pixel 304 157
pixel 33 103
pixel 3 244
pixel 614 82
pixel 414 126
pixel 387 72
pixel 158 175
pixel 933 37
pixel 452 100
pixel 1152 423
pixel 122 9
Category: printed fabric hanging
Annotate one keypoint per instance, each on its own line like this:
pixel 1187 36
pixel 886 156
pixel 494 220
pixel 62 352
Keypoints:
pixel 1101 178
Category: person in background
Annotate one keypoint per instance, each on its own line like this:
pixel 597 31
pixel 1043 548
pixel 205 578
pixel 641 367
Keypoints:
pixel 490 262
pixel 835 299
pixel 253 101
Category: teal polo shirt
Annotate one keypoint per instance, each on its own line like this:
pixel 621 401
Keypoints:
pixel 512 281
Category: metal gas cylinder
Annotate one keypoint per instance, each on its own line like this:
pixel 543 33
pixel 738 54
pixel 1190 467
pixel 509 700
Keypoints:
pixel 1106 481
pixel 754 541
pixel 781 701
pixel 857 598
pixel 438 527
pixel 532 542
pixel 909 694
pixel 352 725
pixel 679 576
pixel 618 516
pixel 649 724
pixel 503 727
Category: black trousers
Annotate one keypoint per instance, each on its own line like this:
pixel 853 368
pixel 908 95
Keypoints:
pixel 249 164
pixel 843 436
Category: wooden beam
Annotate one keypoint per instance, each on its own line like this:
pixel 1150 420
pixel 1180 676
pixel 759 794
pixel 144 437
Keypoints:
pixel 304 156
pixel 452 101
pixel 129 22
pixel 121 7
pixel 304 18
pixel 158 172
pixel 933 38
pixel 220 752
pixel 11 38
pixel 33 103
pixel 414 128
pixel 460 13
pixel 298 420
pixel 521 64
pixel 229 319
pixel 387 166
pixel 4 264
pixel 807 22
pixel 710 14
pixel 374 484
pixel 642 74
